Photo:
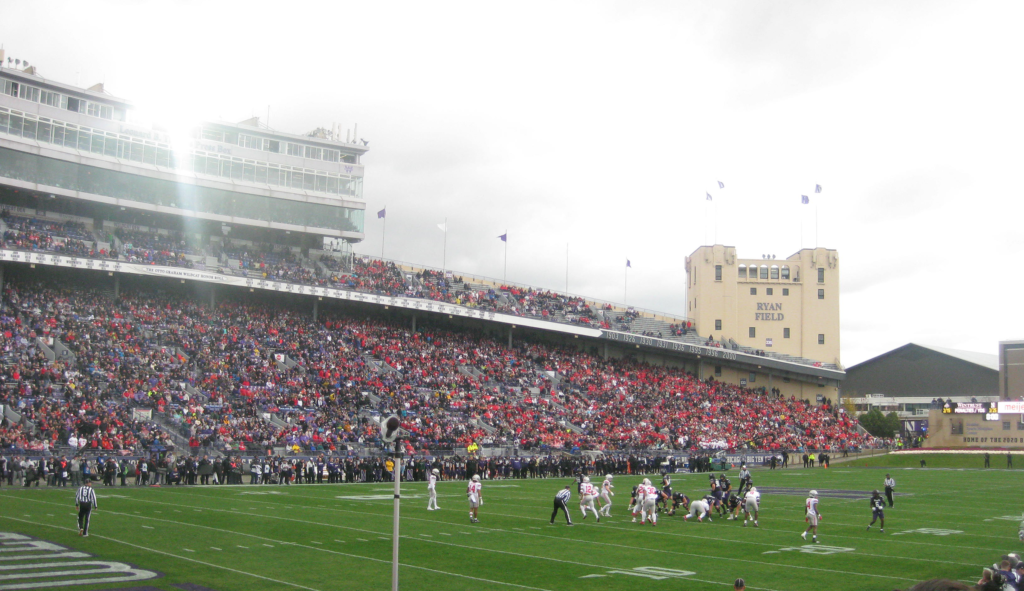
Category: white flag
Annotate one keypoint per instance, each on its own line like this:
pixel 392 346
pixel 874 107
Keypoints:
pixel 443 227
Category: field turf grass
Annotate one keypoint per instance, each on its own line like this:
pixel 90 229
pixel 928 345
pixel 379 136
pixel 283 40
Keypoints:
pixel 936 460
pixel 331 537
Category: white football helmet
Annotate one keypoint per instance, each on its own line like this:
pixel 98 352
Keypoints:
pixel 608 476
pixel 753 489
pixel 435 471
pixel 814 493
pixel 586 479
pixel 646 482
pixel 476 478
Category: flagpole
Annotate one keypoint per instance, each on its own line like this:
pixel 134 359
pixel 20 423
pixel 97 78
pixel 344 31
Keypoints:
pixel 504 274
pixel 716 222
pixel 815 223
pixel 383 233
pixel 705 223
pixel 444 252
pixel 566 268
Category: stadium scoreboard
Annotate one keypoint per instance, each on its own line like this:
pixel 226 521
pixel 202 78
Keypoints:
pixel 989 409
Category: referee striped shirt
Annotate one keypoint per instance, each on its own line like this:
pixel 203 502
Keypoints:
pixel 563 495
pixel 890 483
pixel 86 495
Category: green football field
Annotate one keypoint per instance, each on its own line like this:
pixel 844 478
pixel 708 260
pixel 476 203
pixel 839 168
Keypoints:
pixel 946 523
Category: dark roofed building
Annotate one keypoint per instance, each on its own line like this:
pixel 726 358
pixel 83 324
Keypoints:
pixel 923 371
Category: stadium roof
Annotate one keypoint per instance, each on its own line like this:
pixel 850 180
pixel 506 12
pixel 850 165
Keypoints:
pixel 916 370
pixel 991 361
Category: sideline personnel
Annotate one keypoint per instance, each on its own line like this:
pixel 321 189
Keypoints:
pixel 85 500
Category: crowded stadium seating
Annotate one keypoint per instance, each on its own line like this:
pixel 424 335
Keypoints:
pixel 251 375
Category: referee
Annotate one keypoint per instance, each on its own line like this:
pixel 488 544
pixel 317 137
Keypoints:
pixel 85 500
pixel 561 500
pixel 890 484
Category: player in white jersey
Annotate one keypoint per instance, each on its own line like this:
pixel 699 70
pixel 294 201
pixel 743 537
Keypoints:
pixel 432 490
pixel 751 504
pixel 813 516
pixel 475 494
pixel 587 495
pixel 698 508
pixel 648 502
pixel 606 496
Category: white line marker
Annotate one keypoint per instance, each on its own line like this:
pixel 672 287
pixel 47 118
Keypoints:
pixel 187 550
pixel 340 541
pixel 147 527
pixel 49 514
pixel 157 511
pixel 361 540
pixel 383 538
pixel 443 534
pixel 217 549
pixel 317 543
pixel 176 511
pixel 244 547
pixel 426 535
pixel 592 576
pixel 268 545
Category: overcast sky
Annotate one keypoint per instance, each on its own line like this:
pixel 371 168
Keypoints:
pixel 601 125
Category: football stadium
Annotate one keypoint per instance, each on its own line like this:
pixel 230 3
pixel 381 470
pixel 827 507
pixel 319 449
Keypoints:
pixel 205 387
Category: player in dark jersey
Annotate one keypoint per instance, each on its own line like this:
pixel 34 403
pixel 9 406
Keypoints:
pixel 877 510
pixel 716 493
pixel 632 499
pixel 724 485
pixel 666 494
pixel 679 500
pixel 733 504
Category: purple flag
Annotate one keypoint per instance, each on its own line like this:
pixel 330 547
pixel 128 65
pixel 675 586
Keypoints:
pixel 628 264
pixel 817 188
pixel 721 185
pixel 709 195
pixel 382 213
pixel 504 237
pixel 805 199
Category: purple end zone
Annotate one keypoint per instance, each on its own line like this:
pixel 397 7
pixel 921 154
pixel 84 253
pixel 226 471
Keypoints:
pixel 191 587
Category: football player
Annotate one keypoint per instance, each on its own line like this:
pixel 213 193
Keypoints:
pixel 679 500
pixel 432 490
pixel 699 509
pixel 647 498
pixel 812 517
pixel 634 503
pixel 877 510
pixel 474 492
pixel 716 492
pixel 733 504
pixel 606 495
pixel 587 495
pixel 725 487
pixel 751 504
pixel 665 495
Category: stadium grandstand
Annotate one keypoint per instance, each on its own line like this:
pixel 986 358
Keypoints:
pixel 166 292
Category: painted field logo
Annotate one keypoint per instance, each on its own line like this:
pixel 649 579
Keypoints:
pixel 34 564
pixel 813 549
pixel 928 531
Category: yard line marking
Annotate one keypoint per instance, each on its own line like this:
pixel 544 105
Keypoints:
pixel 157 511
pixel 361 540
pixel 426 535
pixel 268 545
pixel 147 527
pixel 244 547
pixel 210 564
pixel 383 538
pixel 214 548
pixel 340 541
pixel 443 534
pixel 49 514
pixel 317 543
pixel 187 550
